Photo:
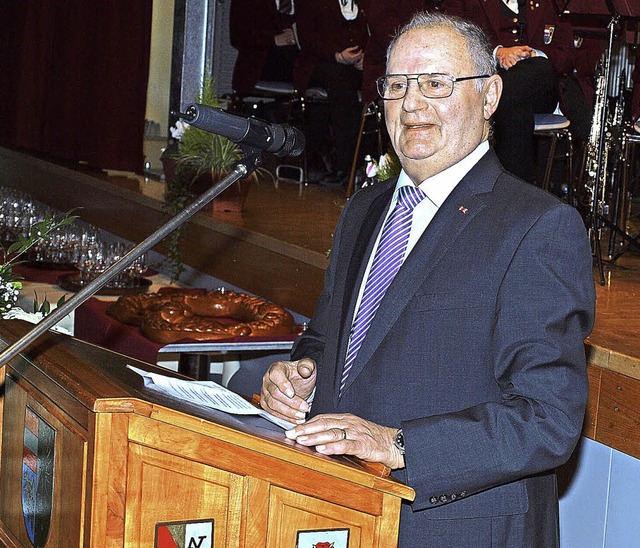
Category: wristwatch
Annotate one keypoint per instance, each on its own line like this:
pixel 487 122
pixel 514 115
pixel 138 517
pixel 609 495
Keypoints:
pixel 398 441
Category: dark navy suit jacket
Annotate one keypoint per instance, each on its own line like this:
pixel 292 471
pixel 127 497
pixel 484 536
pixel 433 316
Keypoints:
pixel 476 352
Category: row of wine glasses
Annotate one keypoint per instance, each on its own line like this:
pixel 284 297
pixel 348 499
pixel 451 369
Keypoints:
pixel 78 244
pixel 18 213
pixel 95 259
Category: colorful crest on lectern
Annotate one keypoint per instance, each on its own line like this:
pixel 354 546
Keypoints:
pixel 185 534
pixel 323 538
pixel 38 458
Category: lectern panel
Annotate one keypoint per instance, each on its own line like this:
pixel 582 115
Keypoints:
pixel 163 489
pixel 292 515
pixel 92 457
pixel 43 462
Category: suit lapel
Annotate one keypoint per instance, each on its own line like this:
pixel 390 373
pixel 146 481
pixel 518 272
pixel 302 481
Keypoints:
pixel 459 209
pixel 363 228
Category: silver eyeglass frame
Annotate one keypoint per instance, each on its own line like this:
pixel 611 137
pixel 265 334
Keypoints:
pixel 380 84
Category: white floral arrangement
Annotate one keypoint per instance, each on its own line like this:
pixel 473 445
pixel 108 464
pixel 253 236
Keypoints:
pixel 386 167
pixel 10 283
pixel 178 130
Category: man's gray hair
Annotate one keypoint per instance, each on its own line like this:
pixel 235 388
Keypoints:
pixel 478 45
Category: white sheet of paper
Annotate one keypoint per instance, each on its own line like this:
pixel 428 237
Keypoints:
pixel 207 393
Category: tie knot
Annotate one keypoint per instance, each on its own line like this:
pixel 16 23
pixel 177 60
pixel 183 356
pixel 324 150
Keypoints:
pixel 410 196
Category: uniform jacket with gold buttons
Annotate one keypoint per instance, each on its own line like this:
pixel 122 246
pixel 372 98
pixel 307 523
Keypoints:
pixel 544 30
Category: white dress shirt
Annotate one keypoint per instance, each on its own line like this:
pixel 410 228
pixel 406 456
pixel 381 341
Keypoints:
pixel 436 189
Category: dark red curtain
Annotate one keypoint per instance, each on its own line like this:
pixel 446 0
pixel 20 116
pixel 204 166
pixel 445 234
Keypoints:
pixel 75 79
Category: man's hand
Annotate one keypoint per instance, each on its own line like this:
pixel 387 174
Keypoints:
pixel 285 388
pixel 285 38
pixel 509 57
pixel 351 56
pixel 350 435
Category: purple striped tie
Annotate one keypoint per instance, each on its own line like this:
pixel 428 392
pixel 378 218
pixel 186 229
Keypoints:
pixel 386 263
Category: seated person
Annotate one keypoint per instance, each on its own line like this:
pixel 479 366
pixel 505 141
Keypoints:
pixel 533 48
pixel 332 36
pixel 262 32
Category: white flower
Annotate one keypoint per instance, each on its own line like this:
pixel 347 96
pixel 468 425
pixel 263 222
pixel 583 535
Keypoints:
pixel 178 130
pixel 32 317
pixel 384 160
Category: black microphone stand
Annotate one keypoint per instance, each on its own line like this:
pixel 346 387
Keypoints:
pixel 243 168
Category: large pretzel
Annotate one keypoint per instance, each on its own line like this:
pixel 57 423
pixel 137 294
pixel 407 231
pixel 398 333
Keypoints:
pixel 169 317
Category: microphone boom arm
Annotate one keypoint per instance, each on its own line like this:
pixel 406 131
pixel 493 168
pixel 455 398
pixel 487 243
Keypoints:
pixel 243 168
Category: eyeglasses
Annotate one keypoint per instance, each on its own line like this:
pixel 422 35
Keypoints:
pixel 432 86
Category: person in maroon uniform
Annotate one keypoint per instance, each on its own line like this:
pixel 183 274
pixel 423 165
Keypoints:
pixel 532 47
pixel 262 32
pixel 333 36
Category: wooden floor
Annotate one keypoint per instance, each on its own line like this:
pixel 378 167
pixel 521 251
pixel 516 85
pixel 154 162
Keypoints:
pixel 302 215
pixel 300 220
pixel 617 324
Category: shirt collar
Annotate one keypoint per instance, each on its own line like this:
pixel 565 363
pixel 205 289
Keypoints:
pixel 438 187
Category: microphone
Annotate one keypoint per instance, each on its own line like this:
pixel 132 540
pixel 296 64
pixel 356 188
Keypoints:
pixel 281 140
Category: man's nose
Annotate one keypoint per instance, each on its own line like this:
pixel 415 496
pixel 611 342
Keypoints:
pixel 414 98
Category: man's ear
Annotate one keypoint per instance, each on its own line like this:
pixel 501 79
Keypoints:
pixel 492 93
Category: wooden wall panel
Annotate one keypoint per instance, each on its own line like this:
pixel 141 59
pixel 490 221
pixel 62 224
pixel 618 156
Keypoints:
pixel 589 427
pixel 256 518
pixel 196 491
pixel 246 462
pixel 618 422
pixel 292 512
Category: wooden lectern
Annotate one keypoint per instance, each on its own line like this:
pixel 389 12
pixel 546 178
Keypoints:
pixel 89 457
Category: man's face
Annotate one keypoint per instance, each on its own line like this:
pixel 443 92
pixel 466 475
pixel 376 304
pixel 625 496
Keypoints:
pixel 430 135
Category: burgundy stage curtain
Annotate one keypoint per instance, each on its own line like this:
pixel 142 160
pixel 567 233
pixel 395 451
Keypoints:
pixel 75 78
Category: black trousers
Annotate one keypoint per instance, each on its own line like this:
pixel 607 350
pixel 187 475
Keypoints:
pixel 530 87
pixel 342 82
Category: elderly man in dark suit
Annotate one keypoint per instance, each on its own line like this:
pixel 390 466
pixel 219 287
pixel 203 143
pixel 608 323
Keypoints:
pixel 448 340
pixel 533 48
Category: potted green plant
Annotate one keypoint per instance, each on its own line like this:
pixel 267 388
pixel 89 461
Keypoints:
pixel 196 159
pixel 192 163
